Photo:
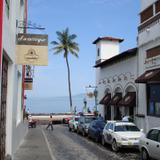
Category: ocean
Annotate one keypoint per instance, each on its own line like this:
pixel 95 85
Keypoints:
pixel 57 104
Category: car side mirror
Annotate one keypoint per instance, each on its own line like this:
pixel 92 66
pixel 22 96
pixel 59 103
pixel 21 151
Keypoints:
pixel 141 130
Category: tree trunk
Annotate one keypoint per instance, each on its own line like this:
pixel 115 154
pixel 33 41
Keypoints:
pixel 69 84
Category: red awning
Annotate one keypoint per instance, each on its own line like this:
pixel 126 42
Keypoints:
pixel 106 99
pixel 129 100
pixel 116 98
pixel 151 76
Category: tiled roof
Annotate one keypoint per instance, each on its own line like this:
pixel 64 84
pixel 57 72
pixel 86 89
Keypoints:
pixel 108 38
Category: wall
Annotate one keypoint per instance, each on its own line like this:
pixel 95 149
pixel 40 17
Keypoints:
pixel 146 3
pixel 148 37
pixel 108 49
pixel 128 67
pixel 14 131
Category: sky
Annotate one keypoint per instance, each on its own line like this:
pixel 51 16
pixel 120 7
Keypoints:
pixel 88 19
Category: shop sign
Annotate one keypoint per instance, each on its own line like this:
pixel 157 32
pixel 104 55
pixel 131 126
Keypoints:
pixel 28 84
pixel 32 49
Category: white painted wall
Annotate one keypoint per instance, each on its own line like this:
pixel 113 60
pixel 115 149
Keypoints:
pixel 127 66
pixel 107 48
pixel 146 3
pixel 14 131
pixel 147 39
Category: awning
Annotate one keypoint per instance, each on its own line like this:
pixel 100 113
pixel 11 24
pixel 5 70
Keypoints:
pixel 151 76
pixel 116 98
pixel 129 100
pixel 106 99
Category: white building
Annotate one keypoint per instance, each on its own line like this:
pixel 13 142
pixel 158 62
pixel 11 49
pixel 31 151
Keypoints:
pixel 115 76
pixel 116 73
pixel 149 64
pixel 12 126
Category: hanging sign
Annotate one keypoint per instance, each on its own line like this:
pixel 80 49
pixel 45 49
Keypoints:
pixel 28 83
pixel 32 49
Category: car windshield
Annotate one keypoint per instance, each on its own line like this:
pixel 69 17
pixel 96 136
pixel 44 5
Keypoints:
pixel 89 119
pixel 76 119
pixel 101 124
pixel 126 128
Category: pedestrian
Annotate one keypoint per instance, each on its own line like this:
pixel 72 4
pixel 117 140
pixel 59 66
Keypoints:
pixel 100 117
pixel 50 123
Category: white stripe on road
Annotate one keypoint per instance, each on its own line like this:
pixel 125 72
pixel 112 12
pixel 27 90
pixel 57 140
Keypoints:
pixel 48 145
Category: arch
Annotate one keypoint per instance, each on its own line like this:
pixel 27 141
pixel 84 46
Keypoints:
pixel 118 89
pixel 130 87
pixel 108 89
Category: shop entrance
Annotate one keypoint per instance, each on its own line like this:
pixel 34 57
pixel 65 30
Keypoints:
pixel 3 108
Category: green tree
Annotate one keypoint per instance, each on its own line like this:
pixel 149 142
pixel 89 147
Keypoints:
pixel 66 45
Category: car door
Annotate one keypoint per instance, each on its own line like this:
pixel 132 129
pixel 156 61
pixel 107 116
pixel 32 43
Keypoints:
pixel 105 132
pixel 90 128
pixel 108 134
pixel 158 146
pixel 152 143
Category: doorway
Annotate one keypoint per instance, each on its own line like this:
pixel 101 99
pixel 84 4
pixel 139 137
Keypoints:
pixel 3 108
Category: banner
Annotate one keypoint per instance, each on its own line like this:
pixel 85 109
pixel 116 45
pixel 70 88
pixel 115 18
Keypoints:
pixel 28 84
pixel 32 49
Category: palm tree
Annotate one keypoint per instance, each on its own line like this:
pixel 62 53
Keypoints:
pixel 66 45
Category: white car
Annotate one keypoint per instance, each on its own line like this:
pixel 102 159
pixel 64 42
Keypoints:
pixel 150 145
pixel 121 134
pixel 72 125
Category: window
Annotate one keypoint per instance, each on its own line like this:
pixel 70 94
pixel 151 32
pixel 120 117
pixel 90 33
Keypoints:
pixel 76 119
pixel 157 4
pixel 126 128
pixel 153 52
pixel 153 135
pixel 7 6
pixel 146 14
pixel 159 137
pixel 107 126
pixel 98 52
pixel 111 126
pixel 153 97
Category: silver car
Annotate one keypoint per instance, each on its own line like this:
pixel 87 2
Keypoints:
pixel 150 145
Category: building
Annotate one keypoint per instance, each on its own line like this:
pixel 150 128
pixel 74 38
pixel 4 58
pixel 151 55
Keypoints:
pixel 129 83
pixel 12 126
pixel 115 76
pixel 149 64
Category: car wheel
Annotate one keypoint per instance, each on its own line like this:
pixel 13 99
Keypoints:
pixel 83 133
pixel 103 141
pixel 144 155
pixel 97 139
pixel 78 130
pixel 114 146
pixel 73 129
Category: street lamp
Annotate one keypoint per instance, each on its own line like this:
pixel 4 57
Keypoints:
pixel 85 105
pixel 95 94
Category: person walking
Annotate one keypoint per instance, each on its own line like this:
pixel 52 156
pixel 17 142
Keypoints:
pixel 50 124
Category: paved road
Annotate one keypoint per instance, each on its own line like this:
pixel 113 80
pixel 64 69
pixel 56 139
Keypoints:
pixel 66 145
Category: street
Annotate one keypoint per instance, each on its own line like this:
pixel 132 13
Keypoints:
pixel 66 145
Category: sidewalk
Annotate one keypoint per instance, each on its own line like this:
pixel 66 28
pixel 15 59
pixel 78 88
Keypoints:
pixel 34 147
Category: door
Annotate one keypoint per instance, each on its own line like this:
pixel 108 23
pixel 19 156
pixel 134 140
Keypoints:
pixel 152 143
pixel 3 108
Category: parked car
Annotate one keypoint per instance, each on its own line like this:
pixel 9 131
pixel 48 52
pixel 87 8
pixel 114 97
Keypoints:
pixel 121 134
pixel 72 125
pixel 95 129
pixel 66 120
pixel 83 124
pixel 149 145
pixel 31 122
